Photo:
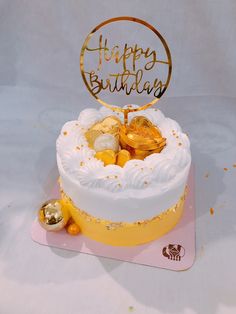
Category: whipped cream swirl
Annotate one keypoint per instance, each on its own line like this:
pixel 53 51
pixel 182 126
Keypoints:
pixel 78 159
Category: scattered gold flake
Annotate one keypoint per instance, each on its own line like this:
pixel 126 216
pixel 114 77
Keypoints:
pixel 81 163
pixel 82 145
pixel 142 169
pixel 180 144
pixel 65 133
pixel 107 177
pixel 114 226
pixel 145 182
pixel 119 185
pixel 206 175
pixel 131 308
pixel 234 165
pixel 225 169
pixel 77 147
pixel 116 177
pixel 177 136
pixel 212 211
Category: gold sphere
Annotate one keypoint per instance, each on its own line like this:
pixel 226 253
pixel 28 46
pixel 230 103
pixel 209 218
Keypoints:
pixel 52 216
pixel 73 229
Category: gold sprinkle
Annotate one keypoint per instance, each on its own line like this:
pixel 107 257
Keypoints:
pixel 116 177
pixel 107 177
pixel 234 165
pixel 180 144
pixel 131 308
pixel 65 133
pixel 145 182
pixel 212 211
pixel 82 145
pixel 207 175
pixel 77 147
pixel 177 136
pixel 81 163
pixel 119 184
pixel 225 169
pixel 141 168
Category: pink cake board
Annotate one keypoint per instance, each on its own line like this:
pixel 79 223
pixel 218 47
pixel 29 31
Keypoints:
pixel 158 253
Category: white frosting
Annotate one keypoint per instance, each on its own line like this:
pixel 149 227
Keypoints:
pixel 141 189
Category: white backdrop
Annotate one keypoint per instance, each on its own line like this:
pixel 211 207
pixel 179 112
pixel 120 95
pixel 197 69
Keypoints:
pixel 41 41
pixel 41 88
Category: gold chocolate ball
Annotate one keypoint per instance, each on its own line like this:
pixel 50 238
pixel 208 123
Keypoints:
pixel 108 156
pixel 73 229
pixel 122 157
pixel 53 216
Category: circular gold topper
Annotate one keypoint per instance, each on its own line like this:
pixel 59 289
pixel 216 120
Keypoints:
pixel 132 60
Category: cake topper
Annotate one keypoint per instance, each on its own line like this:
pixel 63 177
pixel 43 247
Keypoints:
pixel 116 59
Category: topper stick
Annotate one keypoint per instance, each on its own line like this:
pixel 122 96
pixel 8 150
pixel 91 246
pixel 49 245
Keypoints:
pixel 126 112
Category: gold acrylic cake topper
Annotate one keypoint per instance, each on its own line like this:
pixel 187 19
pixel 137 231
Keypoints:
pixel 126 64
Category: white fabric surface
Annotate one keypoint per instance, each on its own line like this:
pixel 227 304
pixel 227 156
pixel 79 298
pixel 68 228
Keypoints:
pixel 42 88
pixel 41 41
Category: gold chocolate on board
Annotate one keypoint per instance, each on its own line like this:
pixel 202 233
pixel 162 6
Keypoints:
pixel 52 216
pixel 143 136
pixel 109 125
pixel 128 77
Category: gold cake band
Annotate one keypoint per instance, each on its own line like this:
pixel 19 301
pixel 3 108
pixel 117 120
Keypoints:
pixel 124 233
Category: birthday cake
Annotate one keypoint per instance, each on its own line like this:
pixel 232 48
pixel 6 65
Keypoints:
pixel 123 169
pixel 118 194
